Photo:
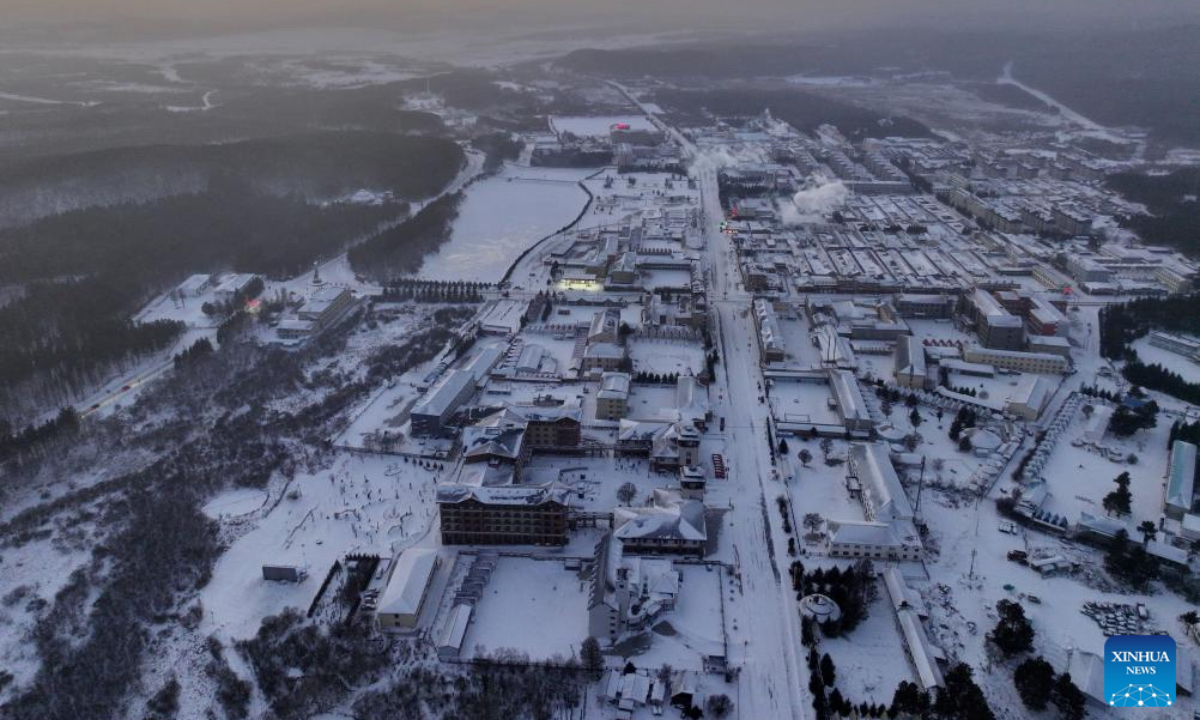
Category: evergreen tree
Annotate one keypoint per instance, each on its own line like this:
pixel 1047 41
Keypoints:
pixel 1013 634
pixel 1034 680
pixel 1068 698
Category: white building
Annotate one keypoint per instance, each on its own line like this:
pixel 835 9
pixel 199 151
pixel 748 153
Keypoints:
pixel 400 603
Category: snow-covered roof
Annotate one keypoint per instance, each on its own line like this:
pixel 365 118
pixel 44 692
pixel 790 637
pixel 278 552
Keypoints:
pixel 877 534
pixel 668 517
pixel 911 356
pixel 523 495
pixel 411 574
pixel 1087 672
pixel 1032 392
pixel 1181 478
pixel 691 398
pixel 441 398
pixel 486 474
pixel 456 627
pixel 848 395
pixel 604 350
pixel 870 463
pixel 907 606
pixel 614 385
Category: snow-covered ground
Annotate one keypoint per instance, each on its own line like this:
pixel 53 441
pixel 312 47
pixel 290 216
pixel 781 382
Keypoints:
pixel 665 357
pixel 533 606
pixel 360 504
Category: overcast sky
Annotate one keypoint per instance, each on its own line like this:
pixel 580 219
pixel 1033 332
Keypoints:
pixel 804 15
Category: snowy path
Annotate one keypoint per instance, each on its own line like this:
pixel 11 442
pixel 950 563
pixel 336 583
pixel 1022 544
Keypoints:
pixel 1006 78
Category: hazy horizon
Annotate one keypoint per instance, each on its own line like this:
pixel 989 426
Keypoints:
pixel 33 21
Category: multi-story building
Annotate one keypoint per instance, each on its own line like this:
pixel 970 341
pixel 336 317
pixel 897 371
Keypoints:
pixel 995 326
pixel 1086 270
pixel 552 427
pixel 612 400
pixel 438 404
pixel 603 356
pixel 848 399
pixel 509 515
pixel 1174 280
pixel 770 339
pixel 1027 362
pixel 924 306
pixel 872 541
pixel 670 524
pixel 911 370
pixel 605 326
pixel 1177 344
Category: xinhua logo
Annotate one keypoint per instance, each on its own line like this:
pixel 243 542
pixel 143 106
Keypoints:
pixel 1139 671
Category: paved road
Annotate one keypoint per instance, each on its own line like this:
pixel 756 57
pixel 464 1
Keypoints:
pixel 765 612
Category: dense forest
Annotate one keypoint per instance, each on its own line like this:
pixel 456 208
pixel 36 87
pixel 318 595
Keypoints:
pixel 1120 325
pixel 401 249
pixel 803 111
pixel 86 271
pixel 498 147
pixel 228 226
pixel 319 166
pixel 64 337
pixel 91 269
pixel 1172 200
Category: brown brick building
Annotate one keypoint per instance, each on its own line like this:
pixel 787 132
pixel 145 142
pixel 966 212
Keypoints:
pixel 509 515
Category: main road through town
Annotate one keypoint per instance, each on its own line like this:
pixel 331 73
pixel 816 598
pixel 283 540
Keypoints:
pixel 762 614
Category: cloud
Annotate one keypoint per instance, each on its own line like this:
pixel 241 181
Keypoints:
pixel 819 197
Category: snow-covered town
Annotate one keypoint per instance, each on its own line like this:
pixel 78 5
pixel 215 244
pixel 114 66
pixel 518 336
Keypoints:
pixel 684 414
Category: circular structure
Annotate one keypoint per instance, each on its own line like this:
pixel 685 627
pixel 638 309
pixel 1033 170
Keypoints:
pixel 820 608
pixel 985 441
pixel 890 432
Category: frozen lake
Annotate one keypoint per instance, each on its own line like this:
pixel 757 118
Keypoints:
pixel 502 216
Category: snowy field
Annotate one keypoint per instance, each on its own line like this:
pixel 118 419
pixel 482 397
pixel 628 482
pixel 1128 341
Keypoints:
pixel 1079 477
pixel 597 125
pixel 1150 355
pixel 654 279
pixel 872 660
pixel 499 218
pixel 533 606
pixel 184 308
pixel 665 357
pixel 361 504
pixel 802 402
pixel 797 343
pixel 647 401
pixel 29 578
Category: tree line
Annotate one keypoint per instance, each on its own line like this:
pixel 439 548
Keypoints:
pixel 401 249
pixel 433 291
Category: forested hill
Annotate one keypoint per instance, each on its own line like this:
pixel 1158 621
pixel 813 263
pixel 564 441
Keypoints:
pixel 85 272
pixel 1173 200
pixel 318 166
